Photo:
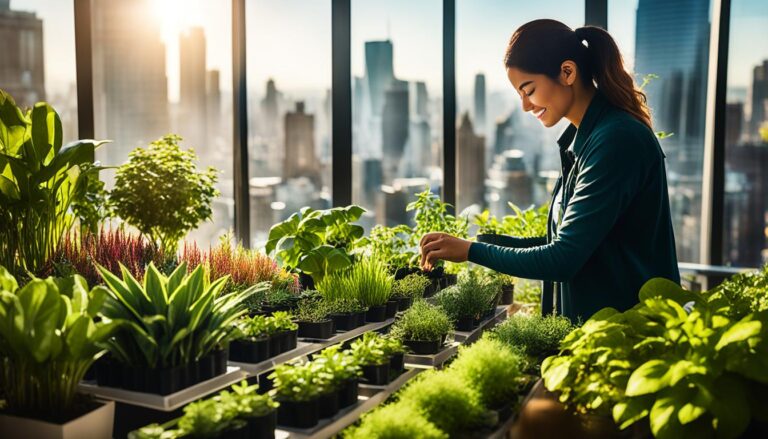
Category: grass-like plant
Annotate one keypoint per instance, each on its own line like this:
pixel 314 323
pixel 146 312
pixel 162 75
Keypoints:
pixel 395 421
pixel 367 281
pixel 174 319
pixel 538 336
pixel 423 322
pixel 49 337
pixel 490 367
pixel 412 286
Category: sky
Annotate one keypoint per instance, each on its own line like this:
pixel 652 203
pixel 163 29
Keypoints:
pixel 289 40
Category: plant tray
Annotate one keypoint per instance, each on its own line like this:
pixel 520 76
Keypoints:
pixel 435 360
pixel 165 402
pixel 469 336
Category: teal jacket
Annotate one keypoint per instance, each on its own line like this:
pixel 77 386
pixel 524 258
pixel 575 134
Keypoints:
pixel 615 229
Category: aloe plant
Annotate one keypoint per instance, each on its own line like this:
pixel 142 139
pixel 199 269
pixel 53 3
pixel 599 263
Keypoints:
pixel 172 320
pixel 49 337
pixel 39 180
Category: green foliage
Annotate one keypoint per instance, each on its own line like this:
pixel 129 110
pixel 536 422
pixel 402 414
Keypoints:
pixel 412 286
pixel 432 216
pixel 491 368
pixel 49 337
pixel 91 206
pixel 528 291
pixel 172 320
pixel 39 181
pixel 340 366
pixel 344 306
pixel 423 322
pixel 367 282
pixel 280 321
pixel 389 244
pixel 689 374
pixel 472 296
pixel 263 326
pixel 538 336
pixel 742 294
pixel 161 192
pixel 445 400
pixel 214 416
pixel 528 223
pixel 312 310
pixel 395 421
pixel 372 349
pixel 303 233
pixel 298 382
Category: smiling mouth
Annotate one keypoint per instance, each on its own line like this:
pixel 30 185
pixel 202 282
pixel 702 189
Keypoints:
pixel 539 113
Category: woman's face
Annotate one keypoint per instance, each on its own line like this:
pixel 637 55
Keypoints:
pixel 545 98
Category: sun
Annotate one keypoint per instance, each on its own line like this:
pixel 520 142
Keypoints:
pixel 176 15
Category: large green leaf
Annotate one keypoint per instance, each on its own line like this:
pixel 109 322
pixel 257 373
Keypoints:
pixel 651 377
pixel 741 331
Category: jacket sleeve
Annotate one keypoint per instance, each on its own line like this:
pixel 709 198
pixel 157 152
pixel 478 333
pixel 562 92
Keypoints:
pixel 613 169
pixel 514 241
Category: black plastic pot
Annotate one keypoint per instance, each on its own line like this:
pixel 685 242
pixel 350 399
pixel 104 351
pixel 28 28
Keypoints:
pixel 465 324
pixel 263 427
pixel 392 306
pixel 344 321
pixel 220 361
pixel 206 368
pixel 451 279
pixel 360 316
pixel 402 272
pixel 377 374
pixel 404 303
pixel 423 347
pixel 316 330
pixel 328 405
pixel 397 363
pixel 282 342
pixel 269 309
pixel 507 294
pixel 250 350
pixel 376 314
pixel 298 414
pixel 348 393
pixel 306 282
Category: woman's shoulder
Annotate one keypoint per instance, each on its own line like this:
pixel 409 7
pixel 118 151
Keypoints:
pixel 622 131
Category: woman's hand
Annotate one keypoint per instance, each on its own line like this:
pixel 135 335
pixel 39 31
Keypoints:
pixel 438 245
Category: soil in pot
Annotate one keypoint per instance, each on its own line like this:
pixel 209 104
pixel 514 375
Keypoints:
pixel 376 314
pixel 298 414
pixel 377 374
pixel 423 347
pixel 392 306
pixel 250 350
pixel 328 404
pixel 348 393
pixel 345 321
pixel 316 330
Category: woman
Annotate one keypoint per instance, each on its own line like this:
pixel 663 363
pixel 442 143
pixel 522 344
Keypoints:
pixel 609 227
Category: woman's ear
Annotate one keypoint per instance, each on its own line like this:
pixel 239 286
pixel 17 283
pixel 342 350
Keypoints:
pixel 568 73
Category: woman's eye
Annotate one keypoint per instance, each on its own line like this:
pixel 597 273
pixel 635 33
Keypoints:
pixel 531 93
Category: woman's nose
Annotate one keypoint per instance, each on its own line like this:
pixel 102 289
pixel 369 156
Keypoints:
pixel 527 106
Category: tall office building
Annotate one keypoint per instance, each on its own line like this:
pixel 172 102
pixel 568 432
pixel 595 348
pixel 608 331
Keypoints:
pixel 734 121
pixel 379 72
pixel 269 109
pixel 192 88
pixel 129 77
pixel 395 122
pixel 300 157
pixel 480 106
pixel 213 105
pixel 470 165
pixel 758 100
pixel 420 99
pixel 22 72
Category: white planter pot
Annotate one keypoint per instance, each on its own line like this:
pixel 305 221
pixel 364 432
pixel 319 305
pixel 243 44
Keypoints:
pixel 96 424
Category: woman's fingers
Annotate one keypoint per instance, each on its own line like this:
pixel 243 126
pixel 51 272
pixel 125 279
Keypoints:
pixel 428 237
pixel 429 245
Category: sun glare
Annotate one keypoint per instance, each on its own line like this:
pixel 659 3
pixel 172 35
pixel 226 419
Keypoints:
pixel 176 15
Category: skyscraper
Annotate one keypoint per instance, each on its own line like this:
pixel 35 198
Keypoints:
pixel 22 73
pixel 192 87
pixel 420 101
pixel 470 166
pixel 300 157
pixel 758 100
pixel 480 103
pixel 269 109
pixel 734 119
pixel 394 126
pixel 129 77
pixel 379 71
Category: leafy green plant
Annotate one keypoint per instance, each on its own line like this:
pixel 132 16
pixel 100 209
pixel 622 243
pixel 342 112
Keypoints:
pixel 297 382
pixel 742 294
pixel 445 400
pixel 281 321
pixel 528 223
pixel 340 366
pixel 487 223
pixel 491 368
pixel 39 182
pixel 161 192
pixel 320 261
pixel 395 421
pixel 412 286
pixel 423 322
pixel 538 336
pixel 172 320
pixel 90 207
pixel 689 374
pixel 49 337
pixel 371 349
pixel 432 216
pixel 472 296
pixel 345 306
pixel 312 311
pixel 392 346
pixel 389 244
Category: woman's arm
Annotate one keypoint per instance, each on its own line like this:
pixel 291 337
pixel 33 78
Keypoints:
pixel 514 241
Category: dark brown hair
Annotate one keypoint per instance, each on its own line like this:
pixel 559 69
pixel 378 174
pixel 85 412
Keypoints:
pixel 541 46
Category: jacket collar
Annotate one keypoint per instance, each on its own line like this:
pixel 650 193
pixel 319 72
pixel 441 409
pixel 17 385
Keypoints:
pixel 595 109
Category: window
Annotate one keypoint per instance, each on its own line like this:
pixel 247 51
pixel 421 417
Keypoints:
pixel 397 67
pixel 503 154
pixel 289 109
pixel 671 40
pixel 746 144
pixel 163 66
pixel 37 40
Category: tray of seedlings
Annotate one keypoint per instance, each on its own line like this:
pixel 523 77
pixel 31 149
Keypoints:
pixel 424 330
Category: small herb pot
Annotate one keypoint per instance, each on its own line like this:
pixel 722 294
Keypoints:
pixel 397 363
pixel 306 282
pixel 298 414
pixel 316 330
pixel 403 303
pixel 403 272
pixel 465 324
pixel 220 361
pixel 328 405
pixel 275 342
pixel 377 374
pixel 507 294
pixel 206 368
pixel 376 314
pixel 287 340
pixel 392 306
pixel 451 279
pixel 262 427
pixel 348 393
pixel 360 316
pixel 344 321
pixel 423 347
pixel 250 350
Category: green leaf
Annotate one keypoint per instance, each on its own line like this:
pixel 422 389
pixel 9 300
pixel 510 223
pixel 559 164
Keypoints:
pixel 690 412
pixel 651 377
pixel 630 411
pixel 741 331
pixel 666 289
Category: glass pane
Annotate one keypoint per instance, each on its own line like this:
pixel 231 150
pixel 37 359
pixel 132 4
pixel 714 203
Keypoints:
pixel 164 66
pixel 37 42
pixel 289 109
pixel 746 131
pixel 397 68
pixel 503 154
pixel 671 40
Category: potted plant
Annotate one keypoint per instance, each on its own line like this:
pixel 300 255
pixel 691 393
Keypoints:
pixel 396 420
pixel 538 336
pixel 313 319
pixel 339 291
pixel 284 333
pixel 373 285
pixel 296 390
pixel 507 289
pixel 408 289
pixel 49 336
pixel 346 314
pixel 239 414
pixel 371 353
pixel 422 328
pixel 252 344
pixel 467 301
pixel 344 369
pixel 394 349
pixel 145 358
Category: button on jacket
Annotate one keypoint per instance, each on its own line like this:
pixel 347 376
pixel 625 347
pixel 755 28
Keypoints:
pixel 615 229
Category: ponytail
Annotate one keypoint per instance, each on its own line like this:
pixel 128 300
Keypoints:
pixel 541 46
